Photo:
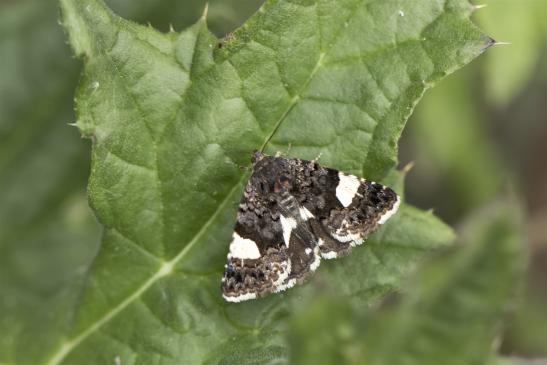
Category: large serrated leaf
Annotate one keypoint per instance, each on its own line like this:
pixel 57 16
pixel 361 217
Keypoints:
pixel 172 116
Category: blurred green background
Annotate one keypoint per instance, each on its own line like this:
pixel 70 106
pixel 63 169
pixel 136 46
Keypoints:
pixel 479 135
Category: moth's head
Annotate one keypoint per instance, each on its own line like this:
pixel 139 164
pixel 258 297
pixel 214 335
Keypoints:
pixel 271 174
pixel 257 156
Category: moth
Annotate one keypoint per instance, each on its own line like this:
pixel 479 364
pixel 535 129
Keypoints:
pixel 294 213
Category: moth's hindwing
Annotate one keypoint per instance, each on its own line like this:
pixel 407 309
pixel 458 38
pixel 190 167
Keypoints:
pixel 293 213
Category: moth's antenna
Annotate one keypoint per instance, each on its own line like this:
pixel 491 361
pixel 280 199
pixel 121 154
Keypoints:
pixel 289 146
pixel 286 153
pixel 317 158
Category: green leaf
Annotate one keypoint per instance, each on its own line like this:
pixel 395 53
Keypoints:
pixel 171 117
pixel 450 313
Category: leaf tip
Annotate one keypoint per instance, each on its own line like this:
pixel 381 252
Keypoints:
pixel 82 21
pixel 205 12
pixel 86 129
pixel 409 166
pixel 496 43
pixel 488 43
pixel 478 6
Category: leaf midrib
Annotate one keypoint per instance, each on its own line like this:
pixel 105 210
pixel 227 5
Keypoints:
pixel 295 99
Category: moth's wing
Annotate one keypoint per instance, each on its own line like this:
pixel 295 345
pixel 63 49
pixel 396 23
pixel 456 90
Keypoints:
pixel 347 210
pixel 329 247
pixel 251 272
pixel 269 252
pixel 257 262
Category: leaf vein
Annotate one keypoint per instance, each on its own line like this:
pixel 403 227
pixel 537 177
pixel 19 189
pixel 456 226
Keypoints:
pixel 127 162
pixel 133 243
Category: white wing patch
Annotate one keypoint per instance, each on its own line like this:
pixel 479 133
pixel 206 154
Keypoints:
pixel 317 261
pixel 353 239
pixel 390 212
pixel 326 255
pixel 239 298
pixel 329 255
pixel 243 248
pixel 287 224
pixel 305 214
pixel 289 284
pixel 280 284
pixel 347 188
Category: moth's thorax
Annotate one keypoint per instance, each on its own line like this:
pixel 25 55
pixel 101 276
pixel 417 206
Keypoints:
pixel 273 175
pixel 288 205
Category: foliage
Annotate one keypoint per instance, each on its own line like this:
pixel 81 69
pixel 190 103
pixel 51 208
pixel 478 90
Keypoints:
pixel 482 130
pixel 171 116
pixel 447 316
